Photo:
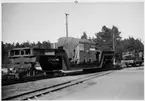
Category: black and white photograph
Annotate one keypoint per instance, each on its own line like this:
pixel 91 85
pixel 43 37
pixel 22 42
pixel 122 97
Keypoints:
pixel 72 50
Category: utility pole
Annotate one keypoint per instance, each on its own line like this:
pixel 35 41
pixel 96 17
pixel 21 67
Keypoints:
pixel 113 42
pixel 113 45
pixel 66 24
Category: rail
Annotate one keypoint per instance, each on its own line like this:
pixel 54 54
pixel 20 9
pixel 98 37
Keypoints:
pixel 37 93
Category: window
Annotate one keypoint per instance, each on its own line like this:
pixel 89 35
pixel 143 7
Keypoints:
pixel 17 52
pixel 27 51
pixel 128 57
pixel 22 52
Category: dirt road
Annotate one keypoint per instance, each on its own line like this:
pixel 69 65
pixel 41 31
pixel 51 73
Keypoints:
pixel 125 84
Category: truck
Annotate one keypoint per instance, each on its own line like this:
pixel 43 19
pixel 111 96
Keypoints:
pixel 132 58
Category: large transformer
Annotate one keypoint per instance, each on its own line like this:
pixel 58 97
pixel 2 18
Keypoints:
pixel 78 50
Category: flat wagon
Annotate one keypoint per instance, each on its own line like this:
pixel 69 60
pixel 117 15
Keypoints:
pixel 71 54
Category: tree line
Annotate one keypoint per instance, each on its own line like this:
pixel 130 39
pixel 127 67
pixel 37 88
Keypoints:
pixel 103 40
pixel 8 46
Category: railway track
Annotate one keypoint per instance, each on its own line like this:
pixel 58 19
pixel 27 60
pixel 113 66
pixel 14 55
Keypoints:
pixel 43 91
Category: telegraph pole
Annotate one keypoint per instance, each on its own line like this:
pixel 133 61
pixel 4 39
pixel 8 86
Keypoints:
pixel 113 42
pixel 66 24
pixel 113 45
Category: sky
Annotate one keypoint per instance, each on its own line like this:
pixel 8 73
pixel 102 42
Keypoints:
pixel 35 22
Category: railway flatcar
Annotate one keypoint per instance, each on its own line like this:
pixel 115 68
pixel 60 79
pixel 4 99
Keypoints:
pixel 57 59
pixel 73 54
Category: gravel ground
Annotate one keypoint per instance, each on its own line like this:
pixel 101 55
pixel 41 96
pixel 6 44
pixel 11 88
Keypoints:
pixel 126 84
pixel 15 89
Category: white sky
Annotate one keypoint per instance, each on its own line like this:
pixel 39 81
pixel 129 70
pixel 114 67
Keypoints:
pixel 46 21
